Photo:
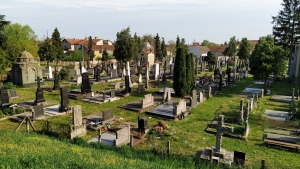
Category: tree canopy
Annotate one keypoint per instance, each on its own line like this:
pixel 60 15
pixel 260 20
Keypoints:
pixel 138 44
pixel 148 38
pixel 124 46
pixel 163 48
pixel 210 59
pixel 244 50
pixel 57 43
pixel 105 56
pixel 232 47
pixel 157 47
pixel 47 51
pixel 267 58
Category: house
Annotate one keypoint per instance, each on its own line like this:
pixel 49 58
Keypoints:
pixel 218 52
pixel 199 51
pixel 72 44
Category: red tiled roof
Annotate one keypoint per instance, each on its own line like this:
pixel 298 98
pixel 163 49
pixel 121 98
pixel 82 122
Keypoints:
pixel 73 41
pixel 220 49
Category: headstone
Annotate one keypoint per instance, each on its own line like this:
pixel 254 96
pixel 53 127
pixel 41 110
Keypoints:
pixel 114 73
pixel 142 123
pixel 95 72
pixel 128 73
pixel 79 80
pixel 147 101
pixel 112 93
pixel 98 73
pixel 85 85
pixel 107 114
pixel 201 98
pixel 179 108
pixel 39 95
pixel 50 76
pixel 140 79
pixel 78 128
pixel 156 71
pixel 56 80
pixel 122 136
pixel 167 95
pixel 127 84
pixel 220 128
pixel 239 158
pixel 193 98
pixel 241 115
pixel 158 80
pixel 172 69
pixel 64 99
pixel 13 93
pixel 209 92
pixel 141 88
pixel 117 85
pixel 4 97
pixel 38 111
pixel 251 104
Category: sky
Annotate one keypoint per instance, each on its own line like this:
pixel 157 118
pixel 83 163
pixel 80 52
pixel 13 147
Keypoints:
pixel 194 20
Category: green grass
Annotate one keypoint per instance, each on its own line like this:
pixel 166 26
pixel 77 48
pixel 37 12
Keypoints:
pixel 187 136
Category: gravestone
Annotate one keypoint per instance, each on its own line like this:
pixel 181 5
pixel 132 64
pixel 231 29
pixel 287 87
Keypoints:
pixel 98 73
pixel 172 69
pixel 79 80
pixel 128 73
pixel 194 98
pixel 85 85
pixel 56 80
pixel 13 93
pixel 220 128
pixel 251 104
pixel 112 93
pixel 209 92
pixel 38 111
pixel 140 79
pixel 78 128
pixel 167 95
pixel 141 88
pixel 158 81
pixel 201 98
pixel 122 136
pixel 142 123
pixel 180 107
pixel 50 76
pixel 246 116
pixel 117 85
pixel 95 72
pixel 241 114
pixel 147 78
pixel 39 95
pixel 239 158
pixel 107 114
pixel 4 97
pixel 64 99
pixel 147 101
pixel 156 71
pixel 114 73
pixel 127 85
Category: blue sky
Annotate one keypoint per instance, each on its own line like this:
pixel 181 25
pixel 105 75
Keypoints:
pixel 214 20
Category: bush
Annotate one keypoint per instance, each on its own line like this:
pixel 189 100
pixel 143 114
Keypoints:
pixel 19 110
pixel 64 74
pixel 73 86
pixel 1 114
pixel 8 111
pixel 9 85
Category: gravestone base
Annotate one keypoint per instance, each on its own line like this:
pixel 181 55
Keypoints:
pixel 98 98
pixel 78 131
pixel 94 121
pixel 28 105
pixel 165 111
pixel 223 157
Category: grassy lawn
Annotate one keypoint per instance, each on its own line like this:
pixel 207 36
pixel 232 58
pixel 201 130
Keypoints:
pixel 186 136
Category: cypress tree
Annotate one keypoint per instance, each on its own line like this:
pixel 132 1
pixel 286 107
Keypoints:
pixel 158 54
pixel 56 41
pixel 163 48
pixel 189 73
pixel 90 51
pixel 179 83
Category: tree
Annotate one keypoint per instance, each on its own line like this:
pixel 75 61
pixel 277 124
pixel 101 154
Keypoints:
pixel 104 55
pixel 172 45
pixel 17 39
pixel 163 48
pixel 286 25
pixel 245 49
pixel 148 38
pixel 190 71
pixel 90 51
pixel 47 51
pixel 124 46
pixel 179 78
pixel 177 42
pixel 138 45
pixel 266 59
pixel 57 43
pixel 205 43
pixel 157 46
pixel 3 23
pixel 231 49
pixel 210 59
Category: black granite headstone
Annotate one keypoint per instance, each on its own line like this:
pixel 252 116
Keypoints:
pixel 107 114
pixel 112 93
pixel 228 72
pixel 56 80
pixel 127 87
pixel 95 72
pixel 64 99
pixel 85 85
pixel 104 66
pixel 38 111
pixel 98 77
pixel 39 95
pixel 239 158
pixel 142 123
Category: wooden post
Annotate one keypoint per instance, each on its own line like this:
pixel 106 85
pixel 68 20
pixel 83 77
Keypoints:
pixel 99 135
pixel 131 140
pixel 263 164
pixel 169 148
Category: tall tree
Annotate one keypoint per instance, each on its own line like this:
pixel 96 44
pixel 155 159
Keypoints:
pixel 179 78
pixel 105 55
pixel 57 43
pixel 163 48
pixel 137 46
pixel 231 49
pixel 190 71
pixel 205 43
pixel 266 59
pixel 90 52
pixel 47 51
pixel 3 23
pixel 177 42
pixel 244 49
pixel 157 46
pixel 286 25
pixel 124 46
pixel 17 39
pixel 148 38
pixel 210 59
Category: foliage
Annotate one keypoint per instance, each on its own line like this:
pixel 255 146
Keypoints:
pixel 157 47
pixel 232 47
pixel 190 71
pixel 104 55
pixel 90 51
pixel 210 58
pixel 177 42
pixel 172 45
pixel 244 50
pixel 75 56
pixel 8 111
pixel 4 62
pixel 18 38
pixel 47 51
pixel 163 48
pixel 205 43
pixel 138 45
pixel 9 85
pixel 124 46
pixel 286 29
pixel 3 22
pixel 64 74
pixel 267 58
pixel 57 42
pixel 148 38
pixel 179 78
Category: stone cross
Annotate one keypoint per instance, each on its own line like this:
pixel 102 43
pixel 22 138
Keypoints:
pixel 38 80
pixel 220 128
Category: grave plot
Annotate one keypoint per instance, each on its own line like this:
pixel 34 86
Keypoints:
pixel 218 154
pixel 281 140
pixel 235 115
pixel 162 91
pixel 101 97
pixel 251 91
pixel 140 106
pixel 100 120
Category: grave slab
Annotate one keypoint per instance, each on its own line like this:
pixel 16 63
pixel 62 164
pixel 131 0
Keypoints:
pixel 278 115
pixel 281 98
